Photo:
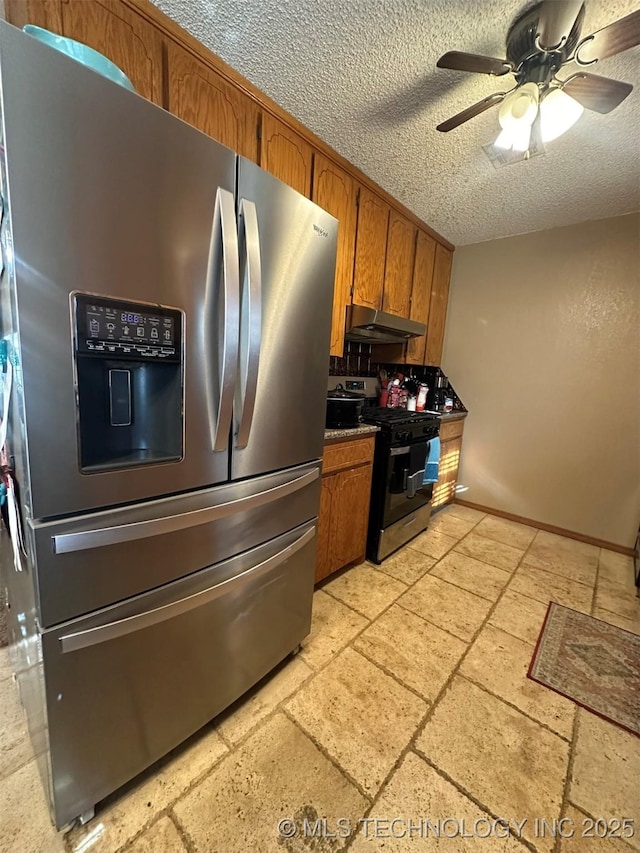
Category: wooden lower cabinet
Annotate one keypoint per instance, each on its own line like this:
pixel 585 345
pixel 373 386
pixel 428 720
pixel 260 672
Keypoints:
pixel 450 446
pixel 344 507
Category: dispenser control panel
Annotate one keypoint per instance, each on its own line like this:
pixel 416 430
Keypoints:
pixel 119 329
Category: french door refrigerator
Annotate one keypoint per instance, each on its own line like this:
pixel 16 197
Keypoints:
pixel 166 306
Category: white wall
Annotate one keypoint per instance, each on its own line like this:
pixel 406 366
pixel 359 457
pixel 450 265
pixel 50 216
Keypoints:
pixel 543 346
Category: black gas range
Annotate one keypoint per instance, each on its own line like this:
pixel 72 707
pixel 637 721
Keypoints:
pixel 400 501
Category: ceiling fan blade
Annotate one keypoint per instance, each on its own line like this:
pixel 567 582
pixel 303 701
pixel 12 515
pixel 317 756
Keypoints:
pixel 612 39
pixel 471 112
pixel 600 94
pixel 459 61
pixel 556 21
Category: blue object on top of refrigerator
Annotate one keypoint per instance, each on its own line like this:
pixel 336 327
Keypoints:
pixel 158 289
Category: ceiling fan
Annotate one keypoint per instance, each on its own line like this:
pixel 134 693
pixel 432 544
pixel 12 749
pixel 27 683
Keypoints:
pixel 539 42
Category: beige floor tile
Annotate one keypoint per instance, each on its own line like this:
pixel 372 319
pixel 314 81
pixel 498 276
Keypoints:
pixel 500 663
pixel 407 565
pixel 433 544
pixel 333 625
pixel 613 596
pixel 418 653
pixel 253 708
pixel 465 512
pixel 5 665
pixel 617 568
pixel 510 764
pixel 506 531
pixel 450 525
pixel 365 589
pixel 417 791
pixel 361 716
pixel 577 567
pixel 632 625
pixel 553 540
pixel 25 824
pixel 447 606
pixel 519 615
pixel 545 587
pixel 125 813
pixel 277 773
pixel 489 551
pixel 162 837
pixel 15 746
pixel 577 822
pixel 471 574
pixel 606 771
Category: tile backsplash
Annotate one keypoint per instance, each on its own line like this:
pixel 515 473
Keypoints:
pixel 356 361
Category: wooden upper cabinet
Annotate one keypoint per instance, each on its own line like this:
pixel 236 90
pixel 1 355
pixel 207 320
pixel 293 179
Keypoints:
pixel 123 36
pixel 200 96
pixel 42 13
pixel 335 192
pixel 398 274
pixel 439 301
pixel 371 242
pixel 286 155
pixel 421 294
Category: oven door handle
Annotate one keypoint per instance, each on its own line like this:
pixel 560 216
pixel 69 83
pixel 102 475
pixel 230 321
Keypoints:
pixel 399 451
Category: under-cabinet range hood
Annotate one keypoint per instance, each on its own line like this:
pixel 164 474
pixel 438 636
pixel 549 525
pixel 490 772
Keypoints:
pixel 371 326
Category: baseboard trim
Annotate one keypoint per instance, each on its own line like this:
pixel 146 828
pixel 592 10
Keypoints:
pixel 550 528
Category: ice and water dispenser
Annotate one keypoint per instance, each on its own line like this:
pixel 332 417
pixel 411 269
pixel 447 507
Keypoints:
pixel 129 383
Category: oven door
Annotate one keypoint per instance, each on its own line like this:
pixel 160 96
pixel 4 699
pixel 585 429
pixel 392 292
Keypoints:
pixel 404 491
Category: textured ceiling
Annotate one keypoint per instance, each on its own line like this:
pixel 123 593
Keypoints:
pixel 361 74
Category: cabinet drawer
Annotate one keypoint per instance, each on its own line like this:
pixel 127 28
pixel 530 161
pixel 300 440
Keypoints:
pixel 451 429
pixel 347 454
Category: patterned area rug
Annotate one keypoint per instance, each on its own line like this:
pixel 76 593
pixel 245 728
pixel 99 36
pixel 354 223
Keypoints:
pixel 594 663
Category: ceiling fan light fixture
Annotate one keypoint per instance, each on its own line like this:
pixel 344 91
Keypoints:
pixel 504 140
pixel 558 113
pixel 520 107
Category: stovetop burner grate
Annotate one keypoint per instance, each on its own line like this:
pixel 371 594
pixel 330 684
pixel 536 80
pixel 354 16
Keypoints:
pixel 392 417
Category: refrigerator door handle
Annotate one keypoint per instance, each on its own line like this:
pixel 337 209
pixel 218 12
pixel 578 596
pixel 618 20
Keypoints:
pixel 221 319
pixel 84 540
pixel 121 627
pixel 250 320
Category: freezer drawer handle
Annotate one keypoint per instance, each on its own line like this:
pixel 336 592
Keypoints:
pixel 250 320
pixel 221 320
pixel 113 630
pixel 87 539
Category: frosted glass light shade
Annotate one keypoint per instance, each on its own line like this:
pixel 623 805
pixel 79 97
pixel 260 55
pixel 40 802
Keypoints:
pixel 520 107
pixel 558 113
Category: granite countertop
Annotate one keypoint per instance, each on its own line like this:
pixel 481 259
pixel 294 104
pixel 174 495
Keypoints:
pixel 354 432
pixel 452 416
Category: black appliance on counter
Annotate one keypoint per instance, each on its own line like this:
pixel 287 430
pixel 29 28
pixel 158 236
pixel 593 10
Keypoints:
pixel 344 408
pixel 400 503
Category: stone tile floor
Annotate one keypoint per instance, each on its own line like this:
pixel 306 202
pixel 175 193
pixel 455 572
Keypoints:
pixel 408 701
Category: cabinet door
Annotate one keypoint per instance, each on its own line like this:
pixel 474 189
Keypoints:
pixel 201 97
pixel 350 515
pixel 401 246
pixel 334 191
pixel 371 242
pixel 42 13
pixel 286 155
pixel 323 553
pixel 119 33
pixel 444 490
pixel 438 308
pixel 421 294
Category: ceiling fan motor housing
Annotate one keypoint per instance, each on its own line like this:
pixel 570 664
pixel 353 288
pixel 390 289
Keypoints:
pixel 522 49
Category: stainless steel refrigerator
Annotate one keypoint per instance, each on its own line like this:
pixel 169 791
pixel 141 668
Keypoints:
pixel 166 306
